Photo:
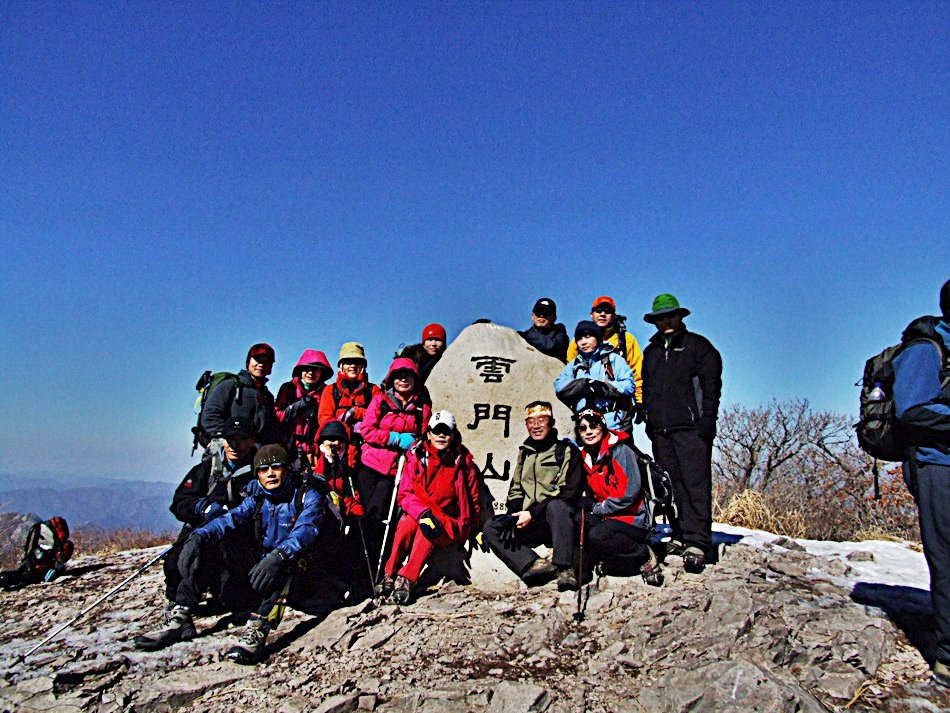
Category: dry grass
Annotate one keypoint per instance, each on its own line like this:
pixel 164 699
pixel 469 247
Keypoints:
pixel 749 509
pixel 97 541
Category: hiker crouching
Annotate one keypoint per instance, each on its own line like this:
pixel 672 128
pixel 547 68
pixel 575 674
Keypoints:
pixel 285 525
pixel 542 501
pixel 439 496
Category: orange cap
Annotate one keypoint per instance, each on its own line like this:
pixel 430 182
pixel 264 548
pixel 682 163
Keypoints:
pixel 604 299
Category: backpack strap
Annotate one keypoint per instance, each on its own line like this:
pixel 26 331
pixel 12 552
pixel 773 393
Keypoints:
pixel 608 367
pixel 559 449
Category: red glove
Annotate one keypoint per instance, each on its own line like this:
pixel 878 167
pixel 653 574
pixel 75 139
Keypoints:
pixel 354 507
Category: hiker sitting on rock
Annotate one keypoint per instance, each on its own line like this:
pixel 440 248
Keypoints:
pixel 546 334
pixel 542 501
pixel 209 490
pixel 439 497
pixel 427 353
pixel 616 520
pixel 598 378
pixel 285 521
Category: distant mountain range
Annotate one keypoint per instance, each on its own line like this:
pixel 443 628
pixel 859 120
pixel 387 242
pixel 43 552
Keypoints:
pixel 90 501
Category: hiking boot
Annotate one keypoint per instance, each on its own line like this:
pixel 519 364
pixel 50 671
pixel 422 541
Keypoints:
pixel 539 572
pixel 176 625
pixel 566 579
pixel 694 560
pixel 652 574
pixel 385 587
pixel 676 548
pixel 941 675
pixel 402 590
pixel 250 647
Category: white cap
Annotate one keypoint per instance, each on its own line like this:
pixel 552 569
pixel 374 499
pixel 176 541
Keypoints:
pixel 443 417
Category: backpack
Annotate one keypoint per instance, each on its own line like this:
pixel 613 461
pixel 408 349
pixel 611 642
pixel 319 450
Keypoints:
pixel 657 489
pixel 47 547
pixel 878 430
pixel 206 384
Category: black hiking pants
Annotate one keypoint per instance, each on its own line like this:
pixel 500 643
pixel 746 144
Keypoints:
pixel 376 491
pixel 555 529
pixel 688 460
pixel 930 486
pixel 621 548
pixel 206 571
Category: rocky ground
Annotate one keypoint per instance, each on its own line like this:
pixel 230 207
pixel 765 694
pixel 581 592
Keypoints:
pixel 762 630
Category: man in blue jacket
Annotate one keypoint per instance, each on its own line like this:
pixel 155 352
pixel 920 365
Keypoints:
pixel 285 523
pixel 922 405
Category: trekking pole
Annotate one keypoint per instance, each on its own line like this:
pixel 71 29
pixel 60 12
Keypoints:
pixel 359 526
pixel 101 599
pixel 579 614
pixel 392 510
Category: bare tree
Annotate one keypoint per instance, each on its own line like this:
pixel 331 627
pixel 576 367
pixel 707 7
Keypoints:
pixel 806 467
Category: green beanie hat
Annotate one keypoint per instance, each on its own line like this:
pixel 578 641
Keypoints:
pixel 664 304
pixel 270 454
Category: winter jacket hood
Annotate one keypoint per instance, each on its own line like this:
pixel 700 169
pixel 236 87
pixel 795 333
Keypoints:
pixel 402 364
pixel 313 357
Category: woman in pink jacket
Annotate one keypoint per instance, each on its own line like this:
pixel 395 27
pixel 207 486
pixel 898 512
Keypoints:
pixel 298 400
pixel 393 421
pixel 439 496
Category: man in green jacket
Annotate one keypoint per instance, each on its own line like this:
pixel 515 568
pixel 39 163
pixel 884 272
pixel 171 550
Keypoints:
pixel 542 500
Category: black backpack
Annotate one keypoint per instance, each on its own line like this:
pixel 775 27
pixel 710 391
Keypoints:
pixel 878 430
pixel 657 489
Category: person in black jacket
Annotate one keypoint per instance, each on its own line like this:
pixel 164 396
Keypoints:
pixel 546 335
pixel 682 384
pixel 247 399
pixel 209 490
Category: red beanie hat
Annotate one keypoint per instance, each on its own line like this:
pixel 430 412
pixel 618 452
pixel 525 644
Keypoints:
pixel 434 331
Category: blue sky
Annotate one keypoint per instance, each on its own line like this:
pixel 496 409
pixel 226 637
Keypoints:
pixel 180 180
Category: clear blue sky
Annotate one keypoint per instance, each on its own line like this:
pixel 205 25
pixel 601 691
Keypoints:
pixel 180 180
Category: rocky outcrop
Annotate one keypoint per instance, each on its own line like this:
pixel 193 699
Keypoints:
pixel 762 630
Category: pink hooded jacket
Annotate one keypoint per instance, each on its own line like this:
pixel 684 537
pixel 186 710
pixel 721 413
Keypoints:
pixel 387 414
pixel 296 423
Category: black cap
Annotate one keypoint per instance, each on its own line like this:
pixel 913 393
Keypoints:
pixel 235 427
pixel 587 328
pixel 545 306
pixel 333 430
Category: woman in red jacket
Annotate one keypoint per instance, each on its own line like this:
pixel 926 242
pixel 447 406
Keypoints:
pixel 347 398
pixel 394 420
pixel 298 400
pixel 616 524
pixel 439 496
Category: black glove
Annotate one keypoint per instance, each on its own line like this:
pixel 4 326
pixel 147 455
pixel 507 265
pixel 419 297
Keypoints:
pixel 506 530
pixel 190 552
pixel 430 526
pixel 209 510
pixel 293 409
pixel 265 574
pixel 478 540
pixel 639 412
pixel 706 431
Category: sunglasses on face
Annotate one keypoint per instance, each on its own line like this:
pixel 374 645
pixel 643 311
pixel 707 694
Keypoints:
pixel 603 310
pixel 276 467
pixel 442 431
pixel 584 427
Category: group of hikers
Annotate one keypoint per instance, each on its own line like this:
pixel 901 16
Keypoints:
pixel 335 492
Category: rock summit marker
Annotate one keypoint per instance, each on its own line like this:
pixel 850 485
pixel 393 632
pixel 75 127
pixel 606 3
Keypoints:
pixel 485 378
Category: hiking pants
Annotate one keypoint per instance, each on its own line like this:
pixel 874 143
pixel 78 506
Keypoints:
pixel 688 460
pixel 410 541
pixel 930 486
pixel 205 573
pixel 620 547
pixel 376 492
pixel 555 529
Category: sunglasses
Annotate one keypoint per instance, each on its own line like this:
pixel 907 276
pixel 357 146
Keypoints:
pixel 441 430
pixel 276 467
pixel 357 364
pixel 603 310
pixel 584 427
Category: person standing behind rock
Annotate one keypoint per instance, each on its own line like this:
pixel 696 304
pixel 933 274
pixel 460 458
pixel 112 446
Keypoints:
pixel 542 500
pixel 299 399
pixel 439 497
pixel 682 384
pixel 546 334
pixel 604 314
pixel 245 398
pixel 597 378
pixel 428 352
pixel 395 419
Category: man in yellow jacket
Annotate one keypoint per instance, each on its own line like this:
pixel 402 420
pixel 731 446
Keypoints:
pixel 604 313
